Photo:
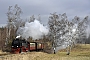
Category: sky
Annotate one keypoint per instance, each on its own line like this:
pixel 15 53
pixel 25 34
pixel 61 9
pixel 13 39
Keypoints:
pixel 72 8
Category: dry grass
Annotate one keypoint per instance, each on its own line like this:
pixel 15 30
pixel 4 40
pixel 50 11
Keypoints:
pixel 80 52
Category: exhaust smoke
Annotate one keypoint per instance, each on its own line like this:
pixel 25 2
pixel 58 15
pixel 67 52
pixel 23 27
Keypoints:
pixel 35 29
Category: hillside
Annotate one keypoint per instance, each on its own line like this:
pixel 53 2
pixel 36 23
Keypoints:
pixel 80 52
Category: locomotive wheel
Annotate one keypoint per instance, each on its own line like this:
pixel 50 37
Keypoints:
pixel 20 50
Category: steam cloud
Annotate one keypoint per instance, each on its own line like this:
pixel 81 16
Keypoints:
pixel 35 29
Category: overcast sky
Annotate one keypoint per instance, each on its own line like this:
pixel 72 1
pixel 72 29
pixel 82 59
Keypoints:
pixel 45 7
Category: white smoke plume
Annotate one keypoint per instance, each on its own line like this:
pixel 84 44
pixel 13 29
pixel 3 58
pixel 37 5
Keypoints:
pixel 35 29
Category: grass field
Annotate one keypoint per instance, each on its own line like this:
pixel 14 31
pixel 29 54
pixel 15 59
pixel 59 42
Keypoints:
pixel 80 52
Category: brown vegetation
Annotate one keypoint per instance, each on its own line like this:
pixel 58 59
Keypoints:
pixel 80 52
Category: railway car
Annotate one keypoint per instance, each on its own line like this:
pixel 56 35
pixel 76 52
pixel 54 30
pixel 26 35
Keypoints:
pixel 33 46
pixel 19 46
pixel 40 46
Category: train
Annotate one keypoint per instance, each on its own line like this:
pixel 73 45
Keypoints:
pixel 21 45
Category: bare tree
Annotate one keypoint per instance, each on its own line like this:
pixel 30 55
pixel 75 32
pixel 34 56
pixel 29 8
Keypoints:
pixel 59 28
pixel 14 20
pixel 32 18
pixel 14 16
pixel 80 26
pixel 65 32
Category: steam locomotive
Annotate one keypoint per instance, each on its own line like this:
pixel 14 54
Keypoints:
pixel 19 45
